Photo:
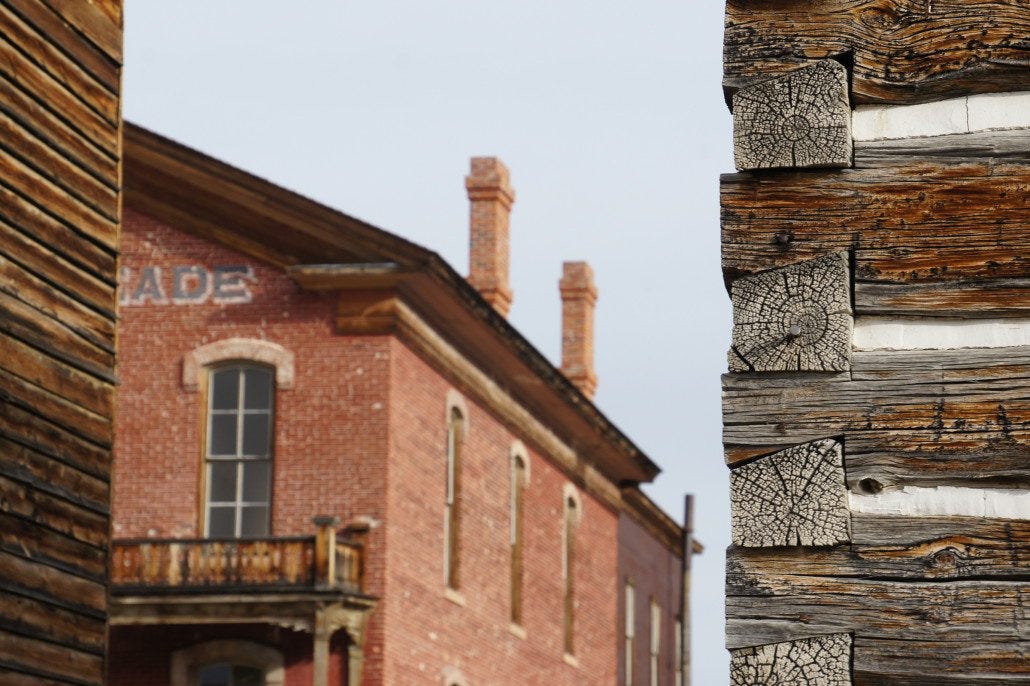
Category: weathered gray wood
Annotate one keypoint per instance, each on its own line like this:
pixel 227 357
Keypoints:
pixel 801 119
pixel 778 605
pixel 797 318
pixel 955 298
pixel 902 51
pixel 818 661
pixel 984 459
pixel 902 662
pixel 994 147
pixel 795 497
pixel 947 230
pixel 934 396
pixel 903 548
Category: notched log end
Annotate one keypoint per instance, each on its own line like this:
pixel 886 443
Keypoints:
pixel 796 497
pixel 801 119
pixel 796 318
pixel 823 660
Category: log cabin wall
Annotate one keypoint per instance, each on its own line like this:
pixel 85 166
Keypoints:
pixel 876 247
pixel 60 119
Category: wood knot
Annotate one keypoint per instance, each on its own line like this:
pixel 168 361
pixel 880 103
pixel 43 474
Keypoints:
pixel 947 558
pixel 870 486
pixel 783 238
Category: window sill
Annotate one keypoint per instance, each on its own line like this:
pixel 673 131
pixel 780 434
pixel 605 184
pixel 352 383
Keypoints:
pixel 454 596
pixel 570 659
pixel 517 630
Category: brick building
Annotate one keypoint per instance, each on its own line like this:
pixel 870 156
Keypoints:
pixel 337 463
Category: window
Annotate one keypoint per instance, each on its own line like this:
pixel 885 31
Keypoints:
pixel 656 639
pixel 226 663
pixel 225 674
pixel 238 451
pixel 568 571
pixel 452 521
pixel 518 484
pixel 631 630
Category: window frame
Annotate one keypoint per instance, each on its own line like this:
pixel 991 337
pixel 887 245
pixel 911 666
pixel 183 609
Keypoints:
pixel 457 431
pixel 655 635
pixel 571 515
pixel 519 477
pixel 629 629
pixel 206 459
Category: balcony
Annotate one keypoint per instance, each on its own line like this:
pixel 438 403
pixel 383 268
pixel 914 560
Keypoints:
pixel 207 565
pixel 298 581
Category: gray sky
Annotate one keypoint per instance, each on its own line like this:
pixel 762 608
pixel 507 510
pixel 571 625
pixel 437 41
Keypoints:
pixel 611 118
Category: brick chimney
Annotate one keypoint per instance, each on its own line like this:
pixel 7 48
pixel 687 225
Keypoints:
pixel 490 198
pixel 578 297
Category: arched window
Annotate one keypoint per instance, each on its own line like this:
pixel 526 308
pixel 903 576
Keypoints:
pixel 227 663
pixel 452 521
pixel 519 478
pixel 569 569
pixel 238 451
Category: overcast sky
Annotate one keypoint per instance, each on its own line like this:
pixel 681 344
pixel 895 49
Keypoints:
pixel 609 115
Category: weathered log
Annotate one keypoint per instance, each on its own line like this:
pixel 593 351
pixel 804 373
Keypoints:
pixel 991 147
pixel 935 397
pixel 59 32
pixel 797 318
pixel 890 547
pixel 800 119
pixel 823 660
pixel 927 237
pixel 902 51
pixel 794 497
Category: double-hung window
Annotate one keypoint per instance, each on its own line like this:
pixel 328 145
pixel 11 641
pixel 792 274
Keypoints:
pixel 238 451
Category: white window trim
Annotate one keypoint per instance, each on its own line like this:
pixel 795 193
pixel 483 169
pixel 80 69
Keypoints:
pixel 455 401
pixel 241 349
pixel 656 640
pixel 630 629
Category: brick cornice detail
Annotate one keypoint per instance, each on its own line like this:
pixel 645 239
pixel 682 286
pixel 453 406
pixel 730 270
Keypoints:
pixel 243 349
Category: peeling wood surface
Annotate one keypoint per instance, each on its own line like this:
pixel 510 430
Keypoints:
pixel 795 497
pixel 928 237
pixel 59 213
pixel 903 51
pixel 908 404
pixel 800 119
pixel 796 318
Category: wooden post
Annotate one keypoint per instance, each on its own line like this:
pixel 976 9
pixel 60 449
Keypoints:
pixel 325 549
pixel 688 551
pixel 320 649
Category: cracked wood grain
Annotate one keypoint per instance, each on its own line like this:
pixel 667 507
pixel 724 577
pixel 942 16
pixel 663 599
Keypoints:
pixel 817 661
pixel 937 227
pixel 801 119
pixel 797 318
pixel 969 408
pixel 902 51
pixel 795 497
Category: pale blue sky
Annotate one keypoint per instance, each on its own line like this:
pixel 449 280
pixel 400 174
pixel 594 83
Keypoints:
pixel 611 118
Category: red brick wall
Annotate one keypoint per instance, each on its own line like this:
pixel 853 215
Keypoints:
pixel 429 632
pixel 363 433
pixel 655 573
pixel 330 428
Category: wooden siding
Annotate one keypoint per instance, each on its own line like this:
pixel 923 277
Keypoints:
pixel 60 76
pixel 900 51
pixel 928 582
pixel 944 236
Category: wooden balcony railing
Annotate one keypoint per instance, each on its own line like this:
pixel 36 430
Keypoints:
pixel 319 562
